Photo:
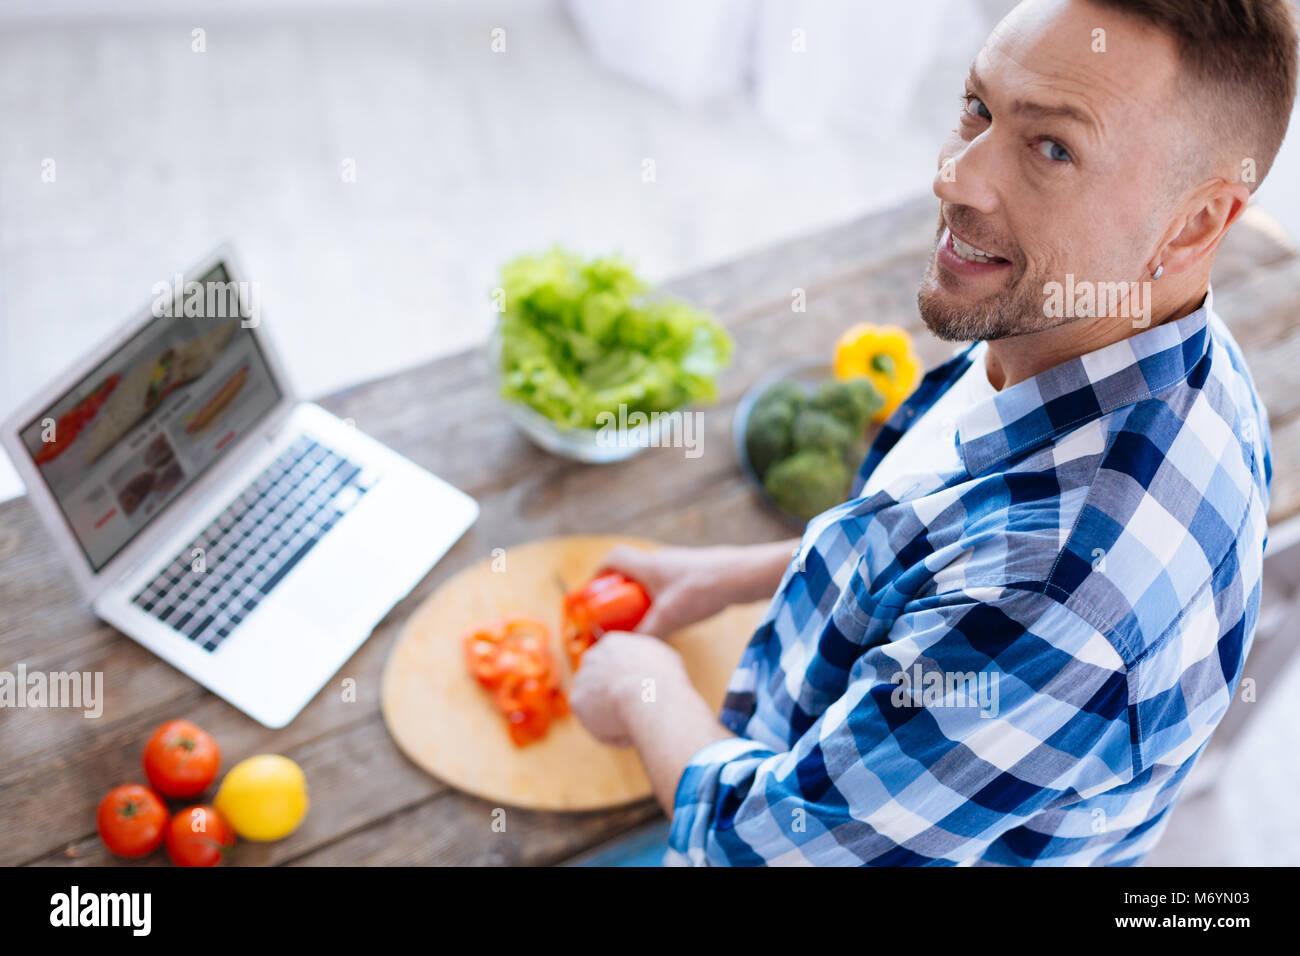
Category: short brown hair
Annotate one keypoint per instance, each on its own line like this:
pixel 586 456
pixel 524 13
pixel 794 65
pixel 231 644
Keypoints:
pixel 1244 53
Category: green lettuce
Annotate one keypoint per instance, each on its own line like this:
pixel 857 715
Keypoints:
pixel 581 337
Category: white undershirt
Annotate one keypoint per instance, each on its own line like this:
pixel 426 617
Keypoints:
pixel 929 446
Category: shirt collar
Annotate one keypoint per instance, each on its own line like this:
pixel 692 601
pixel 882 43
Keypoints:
pixel 1038 410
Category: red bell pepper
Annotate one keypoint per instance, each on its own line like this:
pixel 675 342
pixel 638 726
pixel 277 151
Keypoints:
pixel 608 602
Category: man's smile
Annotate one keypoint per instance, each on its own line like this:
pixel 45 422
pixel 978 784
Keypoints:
pixel 957 256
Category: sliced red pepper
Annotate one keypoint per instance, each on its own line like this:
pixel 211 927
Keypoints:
pixel 512 658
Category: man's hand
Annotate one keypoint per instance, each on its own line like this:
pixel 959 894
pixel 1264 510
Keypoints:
pixel 617 673
pixel 687 585
pixel 632 690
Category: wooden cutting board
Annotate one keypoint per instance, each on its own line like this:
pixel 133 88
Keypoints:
pixel 445 722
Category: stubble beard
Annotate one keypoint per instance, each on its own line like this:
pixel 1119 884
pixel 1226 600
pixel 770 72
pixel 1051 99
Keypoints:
pixel 1015 310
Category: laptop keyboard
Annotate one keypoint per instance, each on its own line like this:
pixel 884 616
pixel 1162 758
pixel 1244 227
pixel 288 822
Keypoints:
pixel 258 539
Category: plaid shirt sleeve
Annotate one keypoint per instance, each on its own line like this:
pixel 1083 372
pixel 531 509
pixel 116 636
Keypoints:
pixel 908 766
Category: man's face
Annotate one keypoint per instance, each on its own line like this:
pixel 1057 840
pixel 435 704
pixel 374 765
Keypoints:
pixel 1060 163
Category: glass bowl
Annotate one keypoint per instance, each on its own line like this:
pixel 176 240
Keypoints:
pixel 589 445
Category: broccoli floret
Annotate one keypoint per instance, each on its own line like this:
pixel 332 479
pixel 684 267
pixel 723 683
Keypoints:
pixel 768 435
pixel 808 483
pixel 853 401
pixel 784 393
pixel 817 430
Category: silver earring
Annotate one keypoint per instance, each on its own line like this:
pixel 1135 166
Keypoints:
pixel 1160 270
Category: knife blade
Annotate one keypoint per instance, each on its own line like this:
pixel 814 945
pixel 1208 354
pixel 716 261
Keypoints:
pixel 597 631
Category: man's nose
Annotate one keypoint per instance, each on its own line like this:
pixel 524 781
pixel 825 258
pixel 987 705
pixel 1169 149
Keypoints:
pixel 967 177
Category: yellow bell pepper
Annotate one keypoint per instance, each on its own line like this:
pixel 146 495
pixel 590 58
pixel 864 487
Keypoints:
pixel 883 354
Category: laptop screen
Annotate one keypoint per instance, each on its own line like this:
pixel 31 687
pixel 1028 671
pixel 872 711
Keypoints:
pixel 128 438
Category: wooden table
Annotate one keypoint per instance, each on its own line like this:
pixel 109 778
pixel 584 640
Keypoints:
pixel 369 804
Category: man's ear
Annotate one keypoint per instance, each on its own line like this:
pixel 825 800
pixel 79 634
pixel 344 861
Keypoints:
pixel 1207 213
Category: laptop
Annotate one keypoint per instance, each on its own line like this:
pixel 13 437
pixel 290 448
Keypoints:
pixel 250 539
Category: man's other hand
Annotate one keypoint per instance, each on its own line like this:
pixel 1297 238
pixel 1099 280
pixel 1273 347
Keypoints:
pixel 622 671
pixel 688 585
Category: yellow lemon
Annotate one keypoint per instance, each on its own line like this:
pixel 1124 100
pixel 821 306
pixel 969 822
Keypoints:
pixel 263 797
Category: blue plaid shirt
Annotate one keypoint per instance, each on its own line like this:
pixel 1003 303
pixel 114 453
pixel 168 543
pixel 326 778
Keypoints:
pixel 1017 662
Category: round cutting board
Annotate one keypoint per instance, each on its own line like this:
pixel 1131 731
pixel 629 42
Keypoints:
pixel 445 722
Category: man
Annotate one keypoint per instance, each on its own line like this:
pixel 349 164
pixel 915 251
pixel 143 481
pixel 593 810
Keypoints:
pixel 1014 640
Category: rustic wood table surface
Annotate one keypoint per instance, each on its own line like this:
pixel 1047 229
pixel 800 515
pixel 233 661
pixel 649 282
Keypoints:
pixel 369 804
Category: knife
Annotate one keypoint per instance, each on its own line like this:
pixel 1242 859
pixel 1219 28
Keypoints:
pixel 596 629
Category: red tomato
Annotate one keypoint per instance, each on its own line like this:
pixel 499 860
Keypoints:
pixel 131 820
pixel 199 836
pixel 180 760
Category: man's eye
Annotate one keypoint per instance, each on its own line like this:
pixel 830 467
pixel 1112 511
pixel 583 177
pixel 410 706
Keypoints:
pixel 1050 149
pixel 974 106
